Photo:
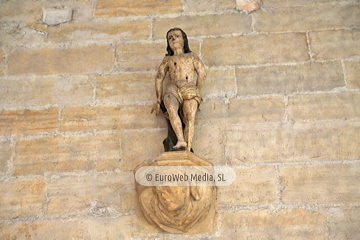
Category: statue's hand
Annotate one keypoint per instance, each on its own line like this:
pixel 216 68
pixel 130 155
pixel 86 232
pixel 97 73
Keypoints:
pixel 156 108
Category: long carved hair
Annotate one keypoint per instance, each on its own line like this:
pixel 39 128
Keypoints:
pixel 186 42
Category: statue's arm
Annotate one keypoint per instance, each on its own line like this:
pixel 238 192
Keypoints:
pixel 200 70
pixel 160 76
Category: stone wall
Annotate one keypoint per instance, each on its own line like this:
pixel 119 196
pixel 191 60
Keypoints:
pixel 281 106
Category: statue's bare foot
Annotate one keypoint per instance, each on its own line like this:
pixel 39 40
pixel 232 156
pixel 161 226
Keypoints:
pixel 180 144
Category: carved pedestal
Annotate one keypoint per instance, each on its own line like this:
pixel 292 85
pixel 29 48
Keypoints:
pixel 178 209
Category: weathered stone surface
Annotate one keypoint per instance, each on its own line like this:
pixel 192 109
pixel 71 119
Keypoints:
pixel 31 11
pixel 317 17
pixel 22 197
pixel 15 34
pixel 292 3
pixel 107 118
pixel 324 106
pixel 54 16
pixel 344 223
pixel 113 8
pixel 129 202
pixel 5 156
pixel 240 111
pixel 293 142
pixel 289 79
pixel 99 194
pixel 30 92
pixel 248 6
pixel 66 154
pixel 216 108
pixel 79 228
pixel 49 61
pixel 219 83
pixel 253 186
pixel 285 224
pixel 28 121
pixel 140 145
pixel 2 62
pixel 114 30
pixel 209 144
pixel 327 45
pixel 208 6
pixel 26 11
pixel 140 55
pixel 199 25
pixel 267 109
pixel 286 47
pixel 352 73
pixel 133 56
pixel 120 88
pixel 333 183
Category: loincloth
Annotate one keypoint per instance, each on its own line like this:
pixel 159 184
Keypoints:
pixel 184 93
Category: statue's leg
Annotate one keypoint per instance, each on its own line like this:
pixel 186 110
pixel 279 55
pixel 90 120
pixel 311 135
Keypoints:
pixel 189 109
pixel 172 105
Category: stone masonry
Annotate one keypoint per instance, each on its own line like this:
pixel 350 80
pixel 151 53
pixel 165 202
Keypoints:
pixel 281 107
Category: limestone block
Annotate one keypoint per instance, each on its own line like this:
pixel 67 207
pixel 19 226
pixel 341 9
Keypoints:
pixel 100 194
pixel 219 83
pixel 6 152
pixel 54 16
pixel 28 121
pixel 90 31
pixel 344 222
pixel 22 198
pixel 120 88
pixel 324 106
pixel 337 44
pixel 208 6
pixel 31 11
pixel 273 142
pixel 66 154
pixel 251 49
pixel 79 228
pixel 248 6
pixel 20 34
pixel 328 184
pixel 253 186
pixel 2 62
pixel 149 140
pixel 88 118
pixel 30 92
pixel 284 224
pixel 113 8
pixel 291 3
pixel 209 142
pixel 199 25
pixel 307 18
pixel 240 111
pixel 50 61
pixel 289 79
pixel 352 73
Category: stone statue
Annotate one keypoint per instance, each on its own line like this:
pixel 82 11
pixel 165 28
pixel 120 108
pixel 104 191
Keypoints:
pixel 182 97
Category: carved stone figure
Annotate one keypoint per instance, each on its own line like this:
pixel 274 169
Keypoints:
pixel 178 209
pixel 182 97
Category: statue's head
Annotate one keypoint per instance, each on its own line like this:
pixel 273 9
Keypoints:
pixel 176 197
pixel 185 40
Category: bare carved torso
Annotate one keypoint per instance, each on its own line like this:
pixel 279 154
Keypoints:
pixel 181 69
